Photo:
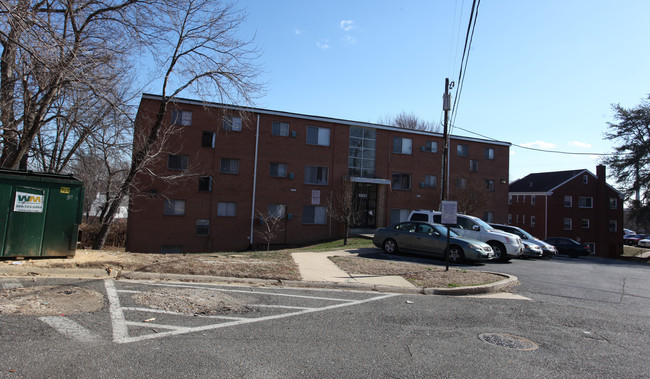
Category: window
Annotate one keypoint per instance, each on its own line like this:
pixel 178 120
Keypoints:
pixel 533 200
pixel 318 136
pixel 532 221
pixel 313 214
pixel 488 216
pixel 585 179
pixel 205 183
pixel 399 215
pixel 462 150
pixel 401 181
pixel 277 210
pixel 232 123
pixel 461 183
pixel 509 199
pixel 207 139
pixel 585 223
pixel 431 147
pixel 174 207
pixel 517 220
pixel 402 145
pixel 473 165
pixel 613 203
pixel 278 169
pixel 361 154
pixel 612 225
pixel 523 219
pixel 430 180
pixel 170 249
pixel 509 218
pixel 226 209
pixel 585 202
pixel 280 129
pixel 202 228
pixel 568 201
pixel 567 224
pixel 180 117
pixel 229 166
pixel 489 153
pixel 177 161
pixel 316 175
pixel 489 185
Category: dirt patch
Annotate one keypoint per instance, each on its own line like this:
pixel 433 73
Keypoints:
pixel 191 301
pixel 421 275
pixel 49 300
pixel 276 265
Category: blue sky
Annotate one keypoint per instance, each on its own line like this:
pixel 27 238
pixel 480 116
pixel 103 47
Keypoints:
pixel 541 73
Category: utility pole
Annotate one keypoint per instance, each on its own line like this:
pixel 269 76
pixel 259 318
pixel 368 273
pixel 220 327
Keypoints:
pixel 446 107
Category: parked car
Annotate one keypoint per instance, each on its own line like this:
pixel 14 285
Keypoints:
pixel 568 246
pixel 548 251
pixel 633 239
pixel 504 245
pixel 628 231
pixel 644 242
pixel 423 237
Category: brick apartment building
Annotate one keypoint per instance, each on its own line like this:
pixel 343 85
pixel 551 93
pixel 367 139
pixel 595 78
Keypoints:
pixel 576 204
pixel 232 162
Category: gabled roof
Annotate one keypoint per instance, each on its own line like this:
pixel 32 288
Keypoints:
pixel 545 181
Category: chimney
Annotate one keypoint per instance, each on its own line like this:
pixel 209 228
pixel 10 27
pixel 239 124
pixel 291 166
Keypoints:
pixel 600 173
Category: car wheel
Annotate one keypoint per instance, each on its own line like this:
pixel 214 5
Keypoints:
pixel 456 254
pixel 499 252
pixel 390 246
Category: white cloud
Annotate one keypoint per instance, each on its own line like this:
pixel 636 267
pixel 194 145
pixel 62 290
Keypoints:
pixel 349 40
pixel 323 46
pixel 347 25
pixel 583 145
pixel 539 145
pixel 297 32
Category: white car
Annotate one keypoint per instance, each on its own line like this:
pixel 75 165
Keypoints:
pixel 644 243
pixel 505 245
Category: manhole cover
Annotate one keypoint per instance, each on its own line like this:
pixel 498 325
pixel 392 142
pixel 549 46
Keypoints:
pixel 508 341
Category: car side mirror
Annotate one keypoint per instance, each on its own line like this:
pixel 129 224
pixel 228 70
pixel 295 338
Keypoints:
pixel 476 228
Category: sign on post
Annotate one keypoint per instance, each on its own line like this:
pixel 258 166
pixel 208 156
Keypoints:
pixel 449 210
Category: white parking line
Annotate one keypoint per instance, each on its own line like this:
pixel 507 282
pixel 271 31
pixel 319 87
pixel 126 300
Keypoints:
pixel 69 328
pixel 10 284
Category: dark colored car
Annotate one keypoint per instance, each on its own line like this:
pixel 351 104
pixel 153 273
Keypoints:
pixel 568 246
pixel 423 237
pixel 633 239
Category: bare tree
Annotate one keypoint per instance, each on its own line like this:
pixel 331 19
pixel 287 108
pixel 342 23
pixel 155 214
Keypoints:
pixel 195 43
pixel 342 206
pixel 406 120
pixel 270 226
pixel 471 199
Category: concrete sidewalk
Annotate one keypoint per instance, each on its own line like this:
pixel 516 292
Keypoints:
pixel 317 267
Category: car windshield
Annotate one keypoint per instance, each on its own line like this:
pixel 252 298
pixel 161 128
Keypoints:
pixel 525 234
pixel 483 224
pixel 443 230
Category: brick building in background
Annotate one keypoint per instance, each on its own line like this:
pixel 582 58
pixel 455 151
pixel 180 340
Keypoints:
pixel 228 162
pixel 575 204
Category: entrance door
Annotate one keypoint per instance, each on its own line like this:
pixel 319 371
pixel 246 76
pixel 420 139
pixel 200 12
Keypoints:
pixel 365 202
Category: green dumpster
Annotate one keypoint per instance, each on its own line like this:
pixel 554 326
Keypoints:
pixel 39 214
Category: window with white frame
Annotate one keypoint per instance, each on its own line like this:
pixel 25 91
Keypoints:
pixel 533 200
pixel 431 146
pixel 473 165
pixel 402 145
pixel 318 136
pixel 489 153
pixel 401 181
pixel 280 129
pixel 509 218
pixel 361 152
pixel 488 216
pixel 585 202
pixel 229 166
pixel 202 228
pixel 314 214
pixel 568 201
pixel 207 139
pixel 316 175
pixel 585 223
pixel 205 183
pixel 226 209
pixel 180 117
pixel 278 169
pixel 613 203
pixel 532 221
pixel 516 219
pixel 612 225
pixel 461 183
pixel 430 180
pixel 232 123
pixel 509 199
pixel 568 224
pixel 277 210
pixel 489 185
pixel 462 150
pixel 399 215
pixel 585 179
pixel 173 207
pixel 177 161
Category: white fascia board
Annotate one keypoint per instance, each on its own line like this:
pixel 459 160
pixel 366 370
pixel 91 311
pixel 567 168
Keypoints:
pixel 324 119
